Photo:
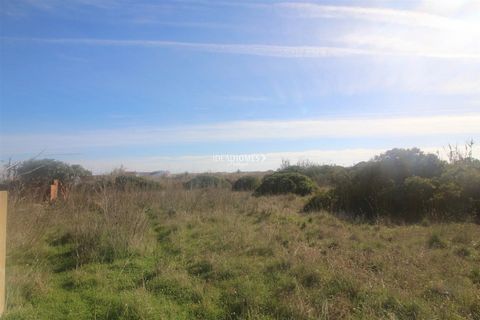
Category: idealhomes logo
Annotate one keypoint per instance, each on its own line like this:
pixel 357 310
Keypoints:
pixel 239 158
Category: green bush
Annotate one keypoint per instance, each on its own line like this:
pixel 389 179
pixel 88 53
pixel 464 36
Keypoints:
pixel 448 200
pixel 33 172
pixel 407 185
pixel 35 176
pixel 203 181
pixel 323 201
pixel 282 183
pixel 458 194
pixel 418 193
pixel 246 183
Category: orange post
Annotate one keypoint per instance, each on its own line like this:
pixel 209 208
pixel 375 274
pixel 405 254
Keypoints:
pixel 3 247
pixel 54 190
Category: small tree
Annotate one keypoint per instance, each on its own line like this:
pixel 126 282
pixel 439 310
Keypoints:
pixel 36 175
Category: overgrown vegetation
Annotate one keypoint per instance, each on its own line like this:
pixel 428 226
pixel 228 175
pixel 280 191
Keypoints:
pixel 406 185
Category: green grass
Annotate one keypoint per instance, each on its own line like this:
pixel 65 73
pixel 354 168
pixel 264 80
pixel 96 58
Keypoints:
pixel 217 254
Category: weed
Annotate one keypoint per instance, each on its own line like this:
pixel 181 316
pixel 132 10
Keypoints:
pixel 202 269
pixel 435 242
pixel 475 276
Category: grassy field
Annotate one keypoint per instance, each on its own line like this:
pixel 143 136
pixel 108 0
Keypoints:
pixel 218 254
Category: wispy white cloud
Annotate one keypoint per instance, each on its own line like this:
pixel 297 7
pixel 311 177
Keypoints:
pixel 247 131
pixel 416 32
pixel 418 45
pixel 247 49
pixel 280 51
pixel 374 14
pixel 458 8
pixel 384 31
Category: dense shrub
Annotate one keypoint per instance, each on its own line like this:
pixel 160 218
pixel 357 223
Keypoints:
pixel 282 183
pixel 39 172
pixel 406 185
pixel 206 181
pixel 458 192
pixel 246 183
pixel 322 201
pixel 418 193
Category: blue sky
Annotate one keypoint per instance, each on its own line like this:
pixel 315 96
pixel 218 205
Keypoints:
pixel 169 84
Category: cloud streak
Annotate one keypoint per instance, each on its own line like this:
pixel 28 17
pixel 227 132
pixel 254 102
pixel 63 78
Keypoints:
pixel 382 15
pixel 245 49
pixel 279 51
pixel 407 32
